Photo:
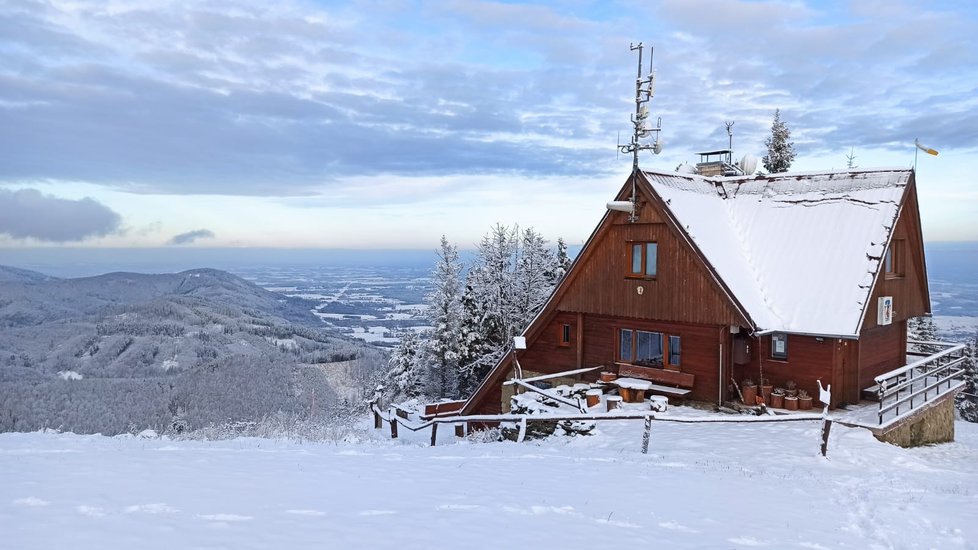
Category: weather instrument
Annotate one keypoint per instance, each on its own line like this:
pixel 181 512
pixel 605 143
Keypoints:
pixel 923 148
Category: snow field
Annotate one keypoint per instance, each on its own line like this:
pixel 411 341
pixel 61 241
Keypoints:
pixel 701 486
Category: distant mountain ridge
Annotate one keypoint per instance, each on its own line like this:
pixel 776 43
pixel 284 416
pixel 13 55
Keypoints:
pixel 28 297
pixel 201 346
pixel 10 274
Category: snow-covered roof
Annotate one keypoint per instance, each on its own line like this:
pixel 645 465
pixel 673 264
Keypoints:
pixel 799 251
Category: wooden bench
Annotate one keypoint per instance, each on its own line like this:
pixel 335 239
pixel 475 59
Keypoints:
pixel 663 381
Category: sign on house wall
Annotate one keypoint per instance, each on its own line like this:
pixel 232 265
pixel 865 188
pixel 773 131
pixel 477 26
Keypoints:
pixel 884 310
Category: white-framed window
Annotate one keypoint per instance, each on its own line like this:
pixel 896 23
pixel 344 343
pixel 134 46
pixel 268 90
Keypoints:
pixel 779 345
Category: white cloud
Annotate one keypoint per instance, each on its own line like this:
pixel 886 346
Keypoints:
pixel 337 102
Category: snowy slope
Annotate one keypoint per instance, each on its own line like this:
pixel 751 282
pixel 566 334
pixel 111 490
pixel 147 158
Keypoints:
pixel 701 486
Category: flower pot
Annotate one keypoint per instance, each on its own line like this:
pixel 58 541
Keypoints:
pixel 791 402
pixel 607 376
pixel 777 400
pixel 750 395
pixel 792 393
pixel 613 402
pixel 805 403
pixel 766 393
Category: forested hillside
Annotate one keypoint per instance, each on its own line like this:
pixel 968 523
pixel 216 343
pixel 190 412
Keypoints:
pixel 128 351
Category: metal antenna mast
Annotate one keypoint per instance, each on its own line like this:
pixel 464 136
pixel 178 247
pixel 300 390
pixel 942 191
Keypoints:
pixel 644 90
pixel 730 133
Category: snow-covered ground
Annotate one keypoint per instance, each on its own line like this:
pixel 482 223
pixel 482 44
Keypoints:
pixel 701 486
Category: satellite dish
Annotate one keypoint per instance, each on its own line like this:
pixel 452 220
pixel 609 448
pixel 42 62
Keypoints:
pixel 657 146
pixel 748 164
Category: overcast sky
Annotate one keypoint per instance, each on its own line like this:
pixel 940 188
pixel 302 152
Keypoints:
pixel 386 124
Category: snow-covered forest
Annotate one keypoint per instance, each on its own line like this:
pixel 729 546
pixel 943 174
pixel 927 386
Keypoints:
pixel 474 312
pixel 125 352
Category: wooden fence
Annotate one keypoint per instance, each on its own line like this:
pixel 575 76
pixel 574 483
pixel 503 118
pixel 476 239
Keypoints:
pixel 648 417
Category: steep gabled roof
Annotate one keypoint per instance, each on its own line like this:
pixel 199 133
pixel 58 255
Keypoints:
pixel 799 251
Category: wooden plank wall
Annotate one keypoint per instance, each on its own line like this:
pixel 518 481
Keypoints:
pixel 683 291
pixel 881 349
pixel 910 292
pixel 809 359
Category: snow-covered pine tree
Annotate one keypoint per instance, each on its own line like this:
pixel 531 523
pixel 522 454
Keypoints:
pixel 968 398
pixel 512 277
pixel 532 280
pixel 445 314
pixel 780 151
pixel 488 304
pixel 922 329
pixel 851 159
pixel 475 346
pixel 405 377
pixel 561 263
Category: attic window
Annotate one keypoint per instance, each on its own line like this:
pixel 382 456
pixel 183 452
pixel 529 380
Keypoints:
pixel 893 260
pixel 779 346
pixel 644 260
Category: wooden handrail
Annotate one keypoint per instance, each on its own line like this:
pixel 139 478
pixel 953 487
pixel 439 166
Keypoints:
pixel 556 375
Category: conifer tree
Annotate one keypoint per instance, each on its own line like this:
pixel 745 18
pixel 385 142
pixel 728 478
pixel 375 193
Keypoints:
pixel 780 151
pixel 405 377
pixel 561 264
pixel 489 305
pixel 923 329
pixel 511 278
pixel 475 346
pixel 445 313
pixel 533 281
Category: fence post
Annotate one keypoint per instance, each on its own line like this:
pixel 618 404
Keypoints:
pixel 647 435
pixel 434 433
pixel 522 434
pixel 375 407
pixel 393 420
pixel 460 430
pixel 826 426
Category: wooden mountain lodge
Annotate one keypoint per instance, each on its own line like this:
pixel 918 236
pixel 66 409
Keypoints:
pixel 708 281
